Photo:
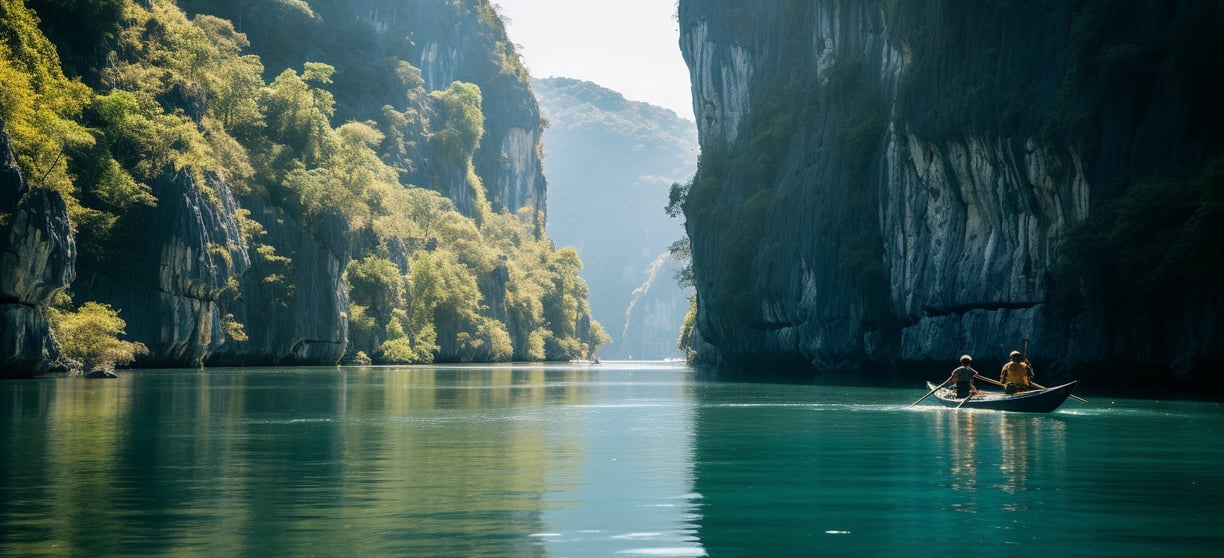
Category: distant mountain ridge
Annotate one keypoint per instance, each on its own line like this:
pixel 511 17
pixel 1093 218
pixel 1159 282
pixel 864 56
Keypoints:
pixel 610 163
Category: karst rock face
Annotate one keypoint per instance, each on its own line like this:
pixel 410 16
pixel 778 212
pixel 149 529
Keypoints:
pixel 183 277
pixel 885 185
pixel 452 41
pixel 301 318
pixel 37 253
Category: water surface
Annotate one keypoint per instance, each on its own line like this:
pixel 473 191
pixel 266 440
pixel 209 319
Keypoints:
pixel 618 459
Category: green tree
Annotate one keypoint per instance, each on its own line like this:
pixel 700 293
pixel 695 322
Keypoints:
pixel 233 328
pixel 297 117
pixel 562 303
pixel 90 335
pixel 459 122
pixel 397 348
pixel 685 341
pixel 375 283
pixel 38 104
pixel 429 210
pixel 208 87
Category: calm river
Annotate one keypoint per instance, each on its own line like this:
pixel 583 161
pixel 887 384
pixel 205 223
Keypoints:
pixel 617 459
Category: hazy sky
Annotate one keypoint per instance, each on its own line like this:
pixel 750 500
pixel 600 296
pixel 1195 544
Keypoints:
pixel 629 46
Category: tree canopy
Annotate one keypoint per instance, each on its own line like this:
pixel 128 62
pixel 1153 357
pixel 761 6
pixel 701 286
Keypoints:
pixel 180 94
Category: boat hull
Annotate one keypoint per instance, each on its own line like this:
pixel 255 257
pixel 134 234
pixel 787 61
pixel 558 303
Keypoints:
pixel 1034 401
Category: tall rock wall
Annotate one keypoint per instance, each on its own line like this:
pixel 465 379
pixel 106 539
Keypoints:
pixel 294 312
pixel 181 271
pixel 453 42
pixel 180 258
pixel 36 262
pixel 884 185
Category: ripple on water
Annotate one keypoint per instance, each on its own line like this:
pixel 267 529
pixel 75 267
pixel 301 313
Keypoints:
pixel 666 551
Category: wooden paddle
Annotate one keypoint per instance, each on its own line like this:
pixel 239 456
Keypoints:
pixel 927 395
pixel 988 380
pixel 1073 396
pixel 1039 386
pixel 965 400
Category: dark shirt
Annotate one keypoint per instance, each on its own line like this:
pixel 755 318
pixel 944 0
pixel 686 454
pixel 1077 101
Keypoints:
pixel 963 374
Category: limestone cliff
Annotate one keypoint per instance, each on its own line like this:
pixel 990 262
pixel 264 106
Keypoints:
pixel 177 263
pixel 885 185
pixel 222 264
pixel 448 41
pixel 302 318
pixel 36 262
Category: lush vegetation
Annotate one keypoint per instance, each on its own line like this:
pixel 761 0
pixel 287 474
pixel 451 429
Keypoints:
pixel 38 104
pixel 183 95
pixel 685 341
pixel 90 335
pixel 1161 239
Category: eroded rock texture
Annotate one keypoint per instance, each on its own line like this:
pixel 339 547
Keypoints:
pixel 885 185
pixel 37 254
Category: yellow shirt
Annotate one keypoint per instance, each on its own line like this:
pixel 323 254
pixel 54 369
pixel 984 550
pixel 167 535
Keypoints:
pixel 1015 373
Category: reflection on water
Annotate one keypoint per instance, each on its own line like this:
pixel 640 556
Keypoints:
pixel 1013 447
pixel 632 459
pixel 459 461
pixel 874 477
pixel 963 437
pixel 1020 438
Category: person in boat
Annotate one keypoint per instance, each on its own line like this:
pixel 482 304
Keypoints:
pixel 963 378
pixel 1017 374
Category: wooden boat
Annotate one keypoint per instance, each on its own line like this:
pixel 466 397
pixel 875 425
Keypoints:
pixel 1033 401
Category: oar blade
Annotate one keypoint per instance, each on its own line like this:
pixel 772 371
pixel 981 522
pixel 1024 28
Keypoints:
pixel 925 396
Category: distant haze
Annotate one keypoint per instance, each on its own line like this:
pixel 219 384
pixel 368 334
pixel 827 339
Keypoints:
pixel 628 46
pixel 610 164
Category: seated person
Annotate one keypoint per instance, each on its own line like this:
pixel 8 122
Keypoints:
pixel 963 377
pixel 1017 375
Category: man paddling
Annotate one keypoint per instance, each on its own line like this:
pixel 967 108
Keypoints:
pixel 963 376
pixel 1017 375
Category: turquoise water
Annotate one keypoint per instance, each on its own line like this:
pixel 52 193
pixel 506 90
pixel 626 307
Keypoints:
pixel 618 459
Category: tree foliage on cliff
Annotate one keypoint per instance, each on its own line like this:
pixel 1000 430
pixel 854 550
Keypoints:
pixel 183 95
pixel 39 105
pixel 90 335
pixel 1160 238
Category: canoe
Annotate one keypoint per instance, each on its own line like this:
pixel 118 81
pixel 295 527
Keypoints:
pixel 1034 401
